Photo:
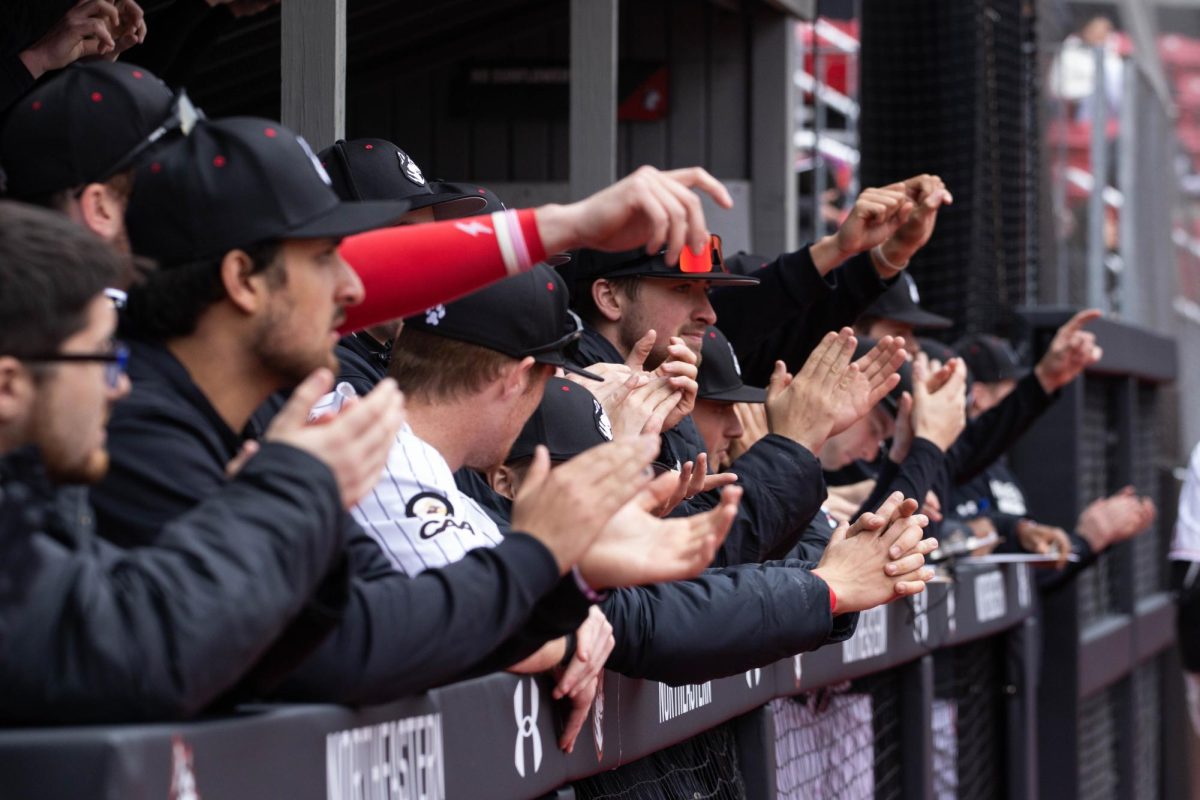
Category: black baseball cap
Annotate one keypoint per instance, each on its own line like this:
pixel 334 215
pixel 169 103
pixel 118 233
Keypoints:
pixel 376 169
pixel 989 358
pixel 76 127
pixel 720 375
pixel 901 303
pixel 936 349
pixel 492 204
pixel 235 182
pixel 568 421
pixel 589 265
pixel 524 315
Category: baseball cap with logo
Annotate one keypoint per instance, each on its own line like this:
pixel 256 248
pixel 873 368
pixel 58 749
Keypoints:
pixel 720 375
pixel 376 169
pixel 236 182
pixel 589 265
pixel 568 421
pixel 901 303
pixel 524 315
pixel 81 126
pixel 990 358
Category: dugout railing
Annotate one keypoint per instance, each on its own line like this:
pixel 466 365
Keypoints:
pixel 981 687
pixel 495 737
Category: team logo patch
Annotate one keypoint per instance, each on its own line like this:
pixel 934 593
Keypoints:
pixel 603 423
pixel 435 315
pixel 316 162
pixel 736 366
pixel 429 504
pixel 410 168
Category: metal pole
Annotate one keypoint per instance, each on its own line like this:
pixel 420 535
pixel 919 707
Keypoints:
pixel 593 126
pixel 818 170
pixel 1128 289
pixel 1096 251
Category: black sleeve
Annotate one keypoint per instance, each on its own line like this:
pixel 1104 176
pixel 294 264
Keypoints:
pixel 15 80
pixel 724 622
pixel 922 470
pixel 783 489
pixel 990 435
pixel 791 308
pixel 156 633
pixel 402 635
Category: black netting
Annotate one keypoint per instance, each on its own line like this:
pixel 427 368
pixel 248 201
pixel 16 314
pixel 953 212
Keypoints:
pixel 704 767
pixel 950 88
pixel 1147 716
pixel 824 746
pixel 1149 549
pixel 886 719
pixel 969 735
pixel 1096 442
pixel 1098 747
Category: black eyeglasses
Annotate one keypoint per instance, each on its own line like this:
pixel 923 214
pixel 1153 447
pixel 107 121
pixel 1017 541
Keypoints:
pixel 567 344
pixel 117 361
pixel 183 118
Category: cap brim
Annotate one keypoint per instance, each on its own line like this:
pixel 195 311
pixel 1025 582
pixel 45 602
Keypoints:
pixel 742 394
pixel 723 278
pixel 919 318
pixel 557 259
pixel 350 217
pixel 449 205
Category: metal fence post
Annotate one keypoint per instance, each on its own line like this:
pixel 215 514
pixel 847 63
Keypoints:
pixel 313 56
pixel 916 709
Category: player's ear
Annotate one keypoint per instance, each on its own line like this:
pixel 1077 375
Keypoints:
pixel 503 480
pixel 605 297
pixel 518 377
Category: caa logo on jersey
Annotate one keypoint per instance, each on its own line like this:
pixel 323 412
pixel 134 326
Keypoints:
pixel 429 504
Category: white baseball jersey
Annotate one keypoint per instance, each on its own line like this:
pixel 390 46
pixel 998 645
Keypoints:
pixel 416 512
pixel 1186 544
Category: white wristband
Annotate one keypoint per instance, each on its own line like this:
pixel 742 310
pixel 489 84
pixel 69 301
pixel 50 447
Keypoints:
pixel 878 251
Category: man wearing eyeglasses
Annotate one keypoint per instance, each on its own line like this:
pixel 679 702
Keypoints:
pixel 72 143
pixel 94 633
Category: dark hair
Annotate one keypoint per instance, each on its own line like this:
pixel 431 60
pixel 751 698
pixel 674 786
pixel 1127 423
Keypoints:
pixel 584 305
pixel 437 368
pixel 166 302
pixel 50 271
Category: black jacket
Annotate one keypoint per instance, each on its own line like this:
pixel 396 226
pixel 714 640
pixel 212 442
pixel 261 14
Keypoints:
pixel 395 635
pixel 362 361
pixel 793 306
pixel 782 493
pixel 94 633
pixel 721 623
pixel 984 440
pixel 997 494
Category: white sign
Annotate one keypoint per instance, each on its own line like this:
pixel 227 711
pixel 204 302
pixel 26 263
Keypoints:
pixel 401 759
pixel 991 601
pixel 526 726
pixel 871 637
pixel 675 701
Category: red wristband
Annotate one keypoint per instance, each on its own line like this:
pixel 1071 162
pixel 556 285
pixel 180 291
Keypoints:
pixel 832 600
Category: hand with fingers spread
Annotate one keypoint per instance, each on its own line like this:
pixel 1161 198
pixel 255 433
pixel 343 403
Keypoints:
pixel 829 394
pixel 1071 352
pixel 1037 538
pixel 876 216
pixel 928 194
pixel 1116 518
pixel 693 480
pixel 939 414
pixel 354 444
pixel 636 547
pixel 566 509
pixel 881 558
pixel 577 681
pixel 85 30
pixel 645 409
pixel 648 208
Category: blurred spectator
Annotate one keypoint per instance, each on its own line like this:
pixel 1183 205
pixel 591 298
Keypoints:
pixel 1073 73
